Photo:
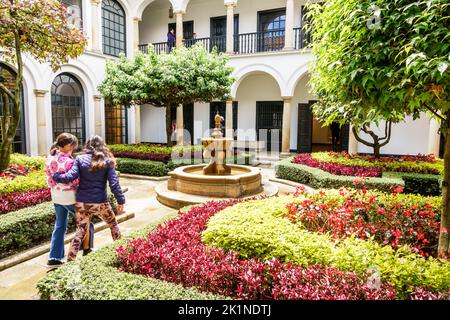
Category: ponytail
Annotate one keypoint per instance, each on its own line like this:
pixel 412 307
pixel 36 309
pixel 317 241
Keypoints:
pixel 63 140
pixel 100 154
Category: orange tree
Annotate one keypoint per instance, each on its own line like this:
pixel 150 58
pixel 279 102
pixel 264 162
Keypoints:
pixel 383 60
pixel 38 29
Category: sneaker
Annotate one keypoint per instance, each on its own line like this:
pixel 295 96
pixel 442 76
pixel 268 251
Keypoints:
pixel 54 263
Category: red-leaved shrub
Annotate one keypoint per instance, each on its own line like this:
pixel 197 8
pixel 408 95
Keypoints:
pixel 337 169
pixel 175 253
pixel 14 201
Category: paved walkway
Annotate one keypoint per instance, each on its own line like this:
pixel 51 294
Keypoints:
pixel 19 282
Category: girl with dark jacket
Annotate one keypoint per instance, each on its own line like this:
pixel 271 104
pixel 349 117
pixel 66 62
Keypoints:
pixel 94 169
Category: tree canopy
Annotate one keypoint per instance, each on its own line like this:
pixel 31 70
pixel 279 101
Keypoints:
pixel 382 60
pixel 38 29
pixel 185 76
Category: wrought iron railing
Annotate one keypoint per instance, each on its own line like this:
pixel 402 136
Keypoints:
pixel 301 38
pixel 259 41
pixel 244 43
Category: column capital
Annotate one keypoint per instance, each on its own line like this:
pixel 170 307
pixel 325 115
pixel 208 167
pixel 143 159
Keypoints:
pixel 96 2
pixel 137 19
pixel 179 11
pixel 287 98
pixel 40 93
pixel 230 3
pixel 98 97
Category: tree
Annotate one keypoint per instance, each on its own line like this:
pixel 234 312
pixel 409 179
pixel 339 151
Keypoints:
pixel 185 76
pixel 39 29
pixel 385 62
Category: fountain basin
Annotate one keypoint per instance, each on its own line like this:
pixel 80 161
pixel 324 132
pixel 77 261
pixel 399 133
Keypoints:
pixel 241 182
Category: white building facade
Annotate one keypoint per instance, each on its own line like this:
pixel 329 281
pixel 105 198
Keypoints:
pixel 270 106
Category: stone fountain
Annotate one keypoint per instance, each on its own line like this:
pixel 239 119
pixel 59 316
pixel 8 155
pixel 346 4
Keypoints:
pixel 213 181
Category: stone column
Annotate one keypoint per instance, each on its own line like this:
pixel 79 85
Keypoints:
pixel 352 143
pixel 96 27
pixel 98 114
pixel 179 35
pixel 286 135
pixel 289 32
pixel 230 26
pixel 137 124
pixel 434 137
pixel 136 21
pixel 41 121
pixel 180 125
pixel 229 120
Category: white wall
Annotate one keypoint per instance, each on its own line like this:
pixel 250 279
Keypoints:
pixel 155 19
pixel 153 124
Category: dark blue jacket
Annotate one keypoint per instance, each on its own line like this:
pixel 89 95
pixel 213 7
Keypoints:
pixel 92 188
pixel 170 37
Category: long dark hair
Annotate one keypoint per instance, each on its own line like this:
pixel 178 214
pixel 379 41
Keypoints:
pixel 63 140
pixel 100 153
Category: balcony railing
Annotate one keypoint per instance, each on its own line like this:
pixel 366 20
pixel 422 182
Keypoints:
pixel 301 38
pixel 244 43
pixel 259 42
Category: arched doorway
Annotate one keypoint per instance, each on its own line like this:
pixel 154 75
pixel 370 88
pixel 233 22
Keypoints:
pixel 8 78
pixel 68 112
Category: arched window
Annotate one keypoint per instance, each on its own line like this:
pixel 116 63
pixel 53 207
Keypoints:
pixel 8 78
pixel 74 12
pixel 113 28
pixel 68 107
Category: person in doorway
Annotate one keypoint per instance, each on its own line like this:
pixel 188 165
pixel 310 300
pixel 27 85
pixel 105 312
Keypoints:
pixel 60 160
pixel 171 39
pixel 335 135
pixel 95 169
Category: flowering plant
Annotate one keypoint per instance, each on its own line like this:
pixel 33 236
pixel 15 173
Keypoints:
pixel 335 168
pixel 392 219
pixel 17 200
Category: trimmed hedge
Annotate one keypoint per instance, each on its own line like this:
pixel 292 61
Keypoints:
pixel 317 178
pixel 424 184
pixel 160 169
pixel 29 227
pixel 255 230
pixel 143 167
pixel 96 277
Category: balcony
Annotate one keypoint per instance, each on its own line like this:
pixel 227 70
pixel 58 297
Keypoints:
pixel 245 43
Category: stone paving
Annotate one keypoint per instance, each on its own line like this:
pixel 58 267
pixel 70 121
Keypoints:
pixel 19 282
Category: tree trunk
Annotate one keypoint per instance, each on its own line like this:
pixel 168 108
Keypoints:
pixel 168 126
pixel 5 155
pixel 444 236
pixel 376 150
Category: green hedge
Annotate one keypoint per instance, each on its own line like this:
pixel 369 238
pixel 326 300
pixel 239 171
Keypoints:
pixel 160 169
pixel 424 184
pixel 317 178
pixel 96 277
pixel 29 227
pixel 256 230
pixel 152 149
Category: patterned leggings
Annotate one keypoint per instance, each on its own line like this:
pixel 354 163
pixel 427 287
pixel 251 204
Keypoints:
pixel 83 214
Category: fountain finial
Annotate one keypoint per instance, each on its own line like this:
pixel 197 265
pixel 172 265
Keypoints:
pixel 218 119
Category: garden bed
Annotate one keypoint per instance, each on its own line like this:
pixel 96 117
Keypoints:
pixel 250 251
pixel 158 161
pixel 23 183
pixel 314 170
pixel 29 227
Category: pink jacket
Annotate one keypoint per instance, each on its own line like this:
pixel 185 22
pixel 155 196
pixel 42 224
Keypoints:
pixel 60 163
